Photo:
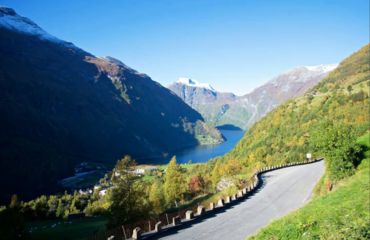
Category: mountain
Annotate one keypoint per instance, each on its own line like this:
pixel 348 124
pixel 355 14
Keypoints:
pixel 217 108
pixel 283 87
pixel 61 105
pixel 220 108
pixel 213 105
pixel 284 134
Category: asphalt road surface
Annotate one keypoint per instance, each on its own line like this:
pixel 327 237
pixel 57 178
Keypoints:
pixel 283 191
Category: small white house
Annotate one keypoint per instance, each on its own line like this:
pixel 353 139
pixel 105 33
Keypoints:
pixel 139 171
pixel 102 192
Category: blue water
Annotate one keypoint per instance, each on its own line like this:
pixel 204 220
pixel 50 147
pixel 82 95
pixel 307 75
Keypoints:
pixel 203 153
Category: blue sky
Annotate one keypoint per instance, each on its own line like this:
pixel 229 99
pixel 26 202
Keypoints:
pixel 234 45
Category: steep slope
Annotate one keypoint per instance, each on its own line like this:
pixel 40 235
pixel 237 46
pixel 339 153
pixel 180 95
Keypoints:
pixel 283 135
pixel 220 108
pixel 283 87
pixel 61 105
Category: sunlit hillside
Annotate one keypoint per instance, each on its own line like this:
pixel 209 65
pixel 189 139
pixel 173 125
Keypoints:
pixel 284 134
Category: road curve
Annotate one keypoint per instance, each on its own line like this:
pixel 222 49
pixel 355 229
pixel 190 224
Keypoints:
pixel 283 191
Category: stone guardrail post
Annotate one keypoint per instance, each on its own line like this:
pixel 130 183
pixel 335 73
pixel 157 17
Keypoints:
pixel 136 233
pixel 227 199
pixel 220 203
pixel 189 215
pixel 158 226
pixel 240 194
pixel 211 206
pixel 233 197
pixel 200 210
pixel 176 220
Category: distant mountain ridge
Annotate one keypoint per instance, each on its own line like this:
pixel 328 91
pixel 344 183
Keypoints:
pixel 219 108
pixel 61 105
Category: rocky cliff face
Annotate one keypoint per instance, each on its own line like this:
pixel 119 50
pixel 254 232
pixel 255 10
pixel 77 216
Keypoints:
pixel 196 94
pixel 61 105
pixel 221 109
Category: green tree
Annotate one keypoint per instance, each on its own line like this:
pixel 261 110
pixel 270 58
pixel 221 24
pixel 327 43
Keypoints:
pixel 156 197
pixel 337 143
pixel 174 183
pixel 60 209
pixel 72 207
pixel 129 198
pixel 52 205
pixel 41 206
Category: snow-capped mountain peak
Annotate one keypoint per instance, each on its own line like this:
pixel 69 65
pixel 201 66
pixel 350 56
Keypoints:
pixel 300 75
pixel 322 67
pixel 194 83
pixel 11 20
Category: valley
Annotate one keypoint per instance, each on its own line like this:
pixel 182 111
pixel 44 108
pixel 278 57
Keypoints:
pixel 89 174
pixel 92 148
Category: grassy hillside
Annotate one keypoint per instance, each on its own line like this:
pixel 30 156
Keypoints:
pixel 284 134
pixel 341 214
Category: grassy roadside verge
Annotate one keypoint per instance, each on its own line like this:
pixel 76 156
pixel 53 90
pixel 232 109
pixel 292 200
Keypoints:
pixel 341 214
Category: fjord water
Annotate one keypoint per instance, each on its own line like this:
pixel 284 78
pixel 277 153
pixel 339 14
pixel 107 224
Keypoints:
pixel 203 153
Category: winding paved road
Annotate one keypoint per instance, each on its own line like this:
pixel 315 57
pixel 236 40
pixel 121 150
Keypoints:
pixel 283 191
